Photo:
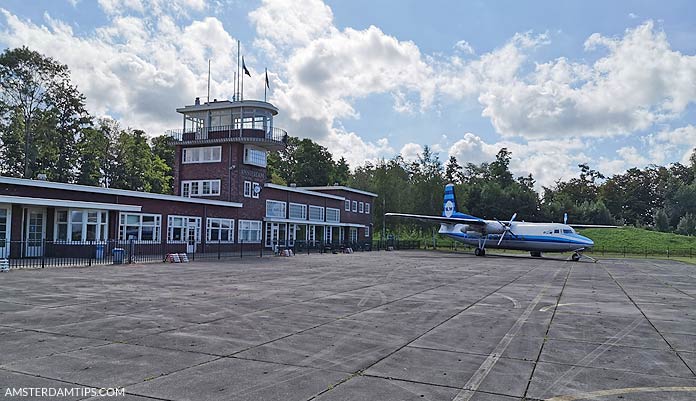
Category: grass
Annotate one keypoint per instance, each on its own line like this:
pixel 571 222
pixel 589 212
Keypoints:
pixel 638 239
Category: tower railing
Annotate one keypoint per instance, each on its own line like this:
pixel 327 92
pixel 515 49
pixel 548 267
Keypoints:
pixel 247 131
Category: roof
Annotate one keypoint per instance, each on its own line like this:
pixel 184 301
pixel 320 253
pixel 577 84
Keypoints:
pixel 341 187
pixel 113 191
pixel 303 191
pixel 24 200
pixel 226 104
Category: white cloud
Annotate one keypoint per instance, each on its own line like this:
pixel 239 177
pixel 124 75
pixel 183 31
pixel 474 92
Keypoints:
pixel 464 47
pixel 676 144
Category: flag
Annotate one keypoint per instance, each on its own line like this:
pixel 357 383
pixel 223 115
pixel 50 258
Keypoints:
pixel 268 85
pixel 244 68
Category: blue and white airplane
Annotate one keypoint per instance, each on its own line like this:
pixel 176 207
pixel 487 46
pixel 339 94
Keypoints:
pixel 533 237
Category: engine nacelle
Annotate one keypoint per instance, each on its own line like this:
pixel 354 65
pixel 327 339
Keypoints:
pixel 494 228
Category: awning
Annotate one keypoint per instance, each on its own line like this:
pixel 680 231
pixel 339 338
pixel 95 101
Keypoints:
pixel 23 200
pixel 312 223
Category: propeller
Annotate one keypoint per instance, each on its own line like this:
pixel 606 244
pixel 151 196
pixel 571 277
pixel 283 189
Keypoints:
pixel 506 227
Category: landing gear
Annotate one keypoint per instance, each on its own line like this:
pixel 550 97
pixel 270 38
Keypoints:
pixel 575 257
pixel 480 252
pixel 535 254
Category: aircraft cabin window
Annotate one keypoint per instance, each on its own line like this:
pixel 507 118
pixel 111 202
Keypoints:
pixel 556 231
pixel 567 231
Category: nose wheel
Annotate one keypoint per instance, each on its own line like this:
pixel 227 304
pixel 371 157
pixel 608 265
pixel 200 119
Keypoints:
pixel 575 257
pixel 480 252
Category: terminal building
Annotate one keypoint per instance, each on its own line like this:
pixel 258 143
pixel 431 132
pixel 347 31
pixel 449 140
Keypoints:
pixel 221 197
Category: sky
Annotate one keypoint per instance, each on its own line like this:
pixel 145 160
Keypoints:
pixel 608 83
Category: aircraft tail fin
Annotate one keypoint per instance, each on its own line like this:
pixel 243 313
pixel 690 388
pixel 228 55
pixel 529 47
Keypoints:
pixel 449 204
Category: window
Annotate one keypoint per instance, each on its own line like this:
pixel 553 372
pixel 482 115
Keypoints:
pixel 297 211
pixel 183 229
pixel 208 154
pixel 367 231
pixel 81 225
pixel 140 227
pixel 3 228
pixel 353 234
pixel 275 209
pixel 255 157
pixel 249 231
pixel 361 207
pixel 556 231
pixel 347 205
pixel 219 230
pixel 333 215
pixel 200 188
pixel 316 213
pixel 367 208
pixel 567 231
pixel 355 206
pixel 255 190
pixel 247 189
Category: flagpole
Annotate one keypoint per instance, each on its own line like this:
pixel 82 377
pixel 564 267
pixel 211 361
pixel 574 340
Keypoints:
pixel 265 85
pixel 237 87
pixel 242 94
pixel 208 80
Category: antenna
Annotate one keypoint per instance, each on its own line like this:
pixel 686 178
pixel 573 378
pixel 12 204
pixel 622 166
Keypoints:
pixel 238 66
pixel 208 80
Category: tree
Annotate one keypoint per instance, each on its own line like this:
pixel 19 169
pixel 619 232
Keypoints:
pixel 661 221
pixel 38 89
pixel 687 224
pixel 453 171
pixel 340 173
pixel 163 147
pixel 93 148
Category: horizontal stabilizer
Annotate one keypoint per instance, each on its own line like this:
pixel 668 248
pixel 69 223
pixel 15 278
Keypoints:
pixel 439 219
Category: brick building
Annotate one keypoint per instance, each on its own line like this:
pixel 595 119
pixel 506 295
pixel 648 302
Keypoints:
pixel 220 197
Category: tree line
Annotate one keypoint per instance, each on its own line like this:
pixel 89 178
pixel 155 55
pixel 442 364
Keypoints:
pixel 45 129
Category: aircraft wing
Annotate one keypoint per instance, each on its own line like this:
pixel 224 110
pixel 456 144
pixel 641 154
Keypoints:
pixel 592 226
pixel 438 219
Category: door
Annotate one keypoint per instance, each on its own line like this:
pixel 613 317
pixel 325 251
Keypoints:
pixel 5 223
pixel 192 235
pixel 34 232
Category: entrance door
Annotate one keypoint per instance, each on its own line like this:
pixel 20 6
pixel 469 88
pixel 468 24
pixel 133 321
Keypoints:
pixel 192 235
pixel 34 232
pixel 5 222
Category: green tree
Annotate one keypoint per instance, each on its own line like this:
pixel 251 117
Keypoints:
pixel 340 173
pixel 93 151
pixel 661 221
pixel 453 171
pixel 687 225
pixel 38 89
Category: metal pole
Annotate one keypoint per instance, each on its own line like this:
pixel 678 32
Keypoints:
pixel 208 80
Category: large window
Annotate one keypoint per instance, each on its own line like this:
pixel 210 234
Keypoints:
pixel 249 231
pixel 184 229
pixel 200 188
pixel 275 209
pixel 140 227
pixel 347 205
pixel 316 213
pixel 208 154
pixel 333 215
pixel 81 225
pixel 219 230
pixel 253 156
pixel 298 211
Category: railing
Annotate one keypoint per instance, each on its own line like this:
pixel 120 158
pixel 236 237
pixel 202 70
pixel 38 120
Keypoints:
pixel 253 132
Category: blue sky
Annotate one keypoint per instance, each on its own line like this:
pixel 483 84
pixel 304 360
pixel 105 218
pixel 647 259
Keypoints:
pixel 612 83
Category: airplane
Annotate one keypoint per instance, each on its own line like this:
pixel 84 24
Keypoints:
pixel 533 237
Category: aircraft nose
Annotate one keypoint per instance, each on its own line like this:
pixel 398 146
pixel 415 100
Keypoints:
pixel 588 241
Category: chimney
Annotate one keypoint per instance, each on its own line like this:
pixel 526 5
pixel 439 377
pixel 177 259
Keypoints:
pixel 293 185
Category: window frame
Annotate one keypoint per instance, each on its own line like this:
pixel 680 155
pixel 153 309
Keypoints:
pixel 249 158
pixel 123 226
pixel 209 229
pixel 309 212
pixel 347 205
pixel 240 228
pixel 255 195
pixel 367 207
pixel 101 229
pixel 361 207
pixel 338 215
pixel 200 150
pixel 247 189
pixel 279 203
pixel 184 227
pixel 188 185
pixel 304 211
pixel 367 231
pixel 355 206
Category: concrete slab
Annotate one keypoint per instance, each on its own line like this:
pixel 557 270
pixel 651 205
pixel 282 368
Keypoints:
pixel 19 386
pixel 236 379
pixel 372 388
pixel 21 345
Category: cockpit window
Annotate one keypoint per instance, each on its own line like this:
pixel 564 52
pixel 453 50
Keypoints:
pixel 567 231
pixel 556 231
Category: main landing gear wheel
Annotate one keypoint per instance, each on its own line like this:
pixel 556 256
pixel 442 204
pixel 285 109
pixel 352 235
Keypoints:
pixel 535 254
pixel 575 257
pixel 480 252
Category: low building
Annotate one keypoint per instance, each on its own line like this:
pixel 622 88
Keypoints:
pixel 221 198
